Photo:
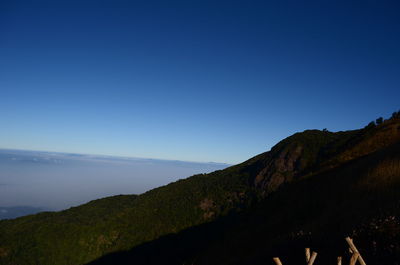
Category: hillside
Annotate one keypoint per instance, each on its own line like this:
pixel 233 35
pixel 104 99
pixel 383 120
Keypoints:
pixel 317 212
pixel 321 183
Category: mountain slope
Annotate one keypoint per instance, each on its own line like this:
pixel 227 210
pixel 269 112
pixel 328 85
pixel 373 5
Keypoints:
pixel 82 234
pixel 318 212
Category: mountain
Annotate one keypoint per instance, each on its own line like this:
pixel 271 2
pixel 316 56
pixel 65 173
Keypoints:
pixel 311 189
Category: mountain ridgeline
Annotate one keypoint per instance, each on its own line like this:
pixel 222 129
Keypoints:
pixel 311 189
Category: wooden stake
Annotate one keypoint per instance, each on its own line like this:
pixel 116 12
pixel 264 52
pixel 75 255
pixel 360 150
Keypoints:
pixel 277 261
pixel 354 249
pixel 354 258
pixel 351 251
pixel 312 259
pixel 307 255
pixel 339 260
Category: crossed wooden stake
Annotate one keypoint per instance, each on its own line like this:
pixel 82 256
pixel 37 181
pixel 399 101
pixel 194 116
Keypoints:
pixel 311 258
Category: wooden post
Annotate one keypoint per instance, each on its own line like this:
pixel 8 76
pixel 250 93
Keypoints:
pixel 308 256
pixel 277 261
pixel 351 251
pixel 339 260
pixel 354 258
pixel 312 259
pixel 354 249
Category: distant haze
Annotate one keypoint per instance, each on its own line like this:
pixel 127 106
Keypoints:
pixel 58 180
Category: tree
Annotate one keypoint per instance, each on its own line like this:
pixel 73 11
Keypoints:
pixel 370 125
pixel 396 115
pixel 379 121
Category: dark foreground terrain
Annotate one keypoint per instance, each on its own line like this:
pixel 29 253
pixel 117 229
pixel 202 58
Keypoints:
pixel 310 190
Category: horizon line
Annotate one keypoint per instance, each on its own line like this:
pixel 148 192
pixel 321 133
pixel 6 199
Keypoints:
pixel 117 156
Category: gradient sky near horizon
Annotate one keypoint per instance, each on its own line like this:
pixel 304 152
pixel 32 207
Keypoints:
pixel 192 80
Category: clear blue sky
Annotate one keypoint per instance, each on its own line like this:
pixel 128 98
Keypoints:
pixel 192 80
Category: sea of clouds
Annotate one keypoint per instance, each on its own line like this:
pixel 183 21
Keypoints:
pixel 55 181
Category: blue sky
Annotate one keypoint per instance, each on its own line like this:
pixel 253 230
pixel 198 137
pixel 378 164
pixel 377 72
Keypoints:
pixel 192 80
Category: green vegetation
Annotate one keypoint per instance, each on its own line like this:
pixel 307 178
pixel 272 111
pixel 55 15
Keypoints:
pixel 313 181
